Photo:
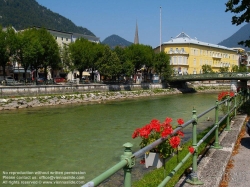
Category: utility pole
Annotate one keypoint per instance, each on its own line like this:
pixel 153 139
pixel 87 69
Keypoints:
pixel 160 29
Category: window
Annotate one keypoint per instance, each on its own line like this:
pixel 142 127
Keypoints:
pixel 175 60
pixel 185 60
pixel 180 60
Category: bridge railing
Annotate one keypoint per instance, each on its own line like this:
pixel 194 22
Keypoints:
pixel 226 75
pixel 128 158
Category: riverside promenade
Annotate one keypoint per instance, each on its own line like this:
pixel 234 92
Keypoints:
pixel 212 166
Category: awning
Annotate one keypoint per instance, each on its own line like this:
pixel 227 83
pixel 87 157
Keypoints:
pixel 85 73
pixel 20 71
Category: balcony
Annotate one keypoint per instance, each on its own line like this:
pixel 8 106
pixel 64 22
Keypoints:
pixel 177 52
pixel 217 56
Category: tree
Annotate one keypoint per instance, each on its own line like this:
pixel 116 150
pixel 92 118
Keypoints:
pixel 51 56
pixel 24 40
pixel 34 51
pixel 7 47
pixel 242 8
pixel 207 68
pixel 148 61
pixel 141 56
pixel 96 54
pixel 235 68
pixel 127 66
pixel 4 57
pixel 109 64
pixel 223 69
pixel 80 54
pixel 242 69
pixel 135 54
pixel 162 65
pixel 67 63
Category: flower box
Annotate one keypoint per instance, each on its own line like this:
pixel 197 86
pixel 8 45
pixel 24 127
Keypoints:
pixel 156 130
pixel 153 159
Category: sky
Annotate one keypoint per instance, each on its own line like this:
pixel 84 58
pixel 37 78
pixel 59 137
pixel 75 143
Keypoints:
pixel 157 20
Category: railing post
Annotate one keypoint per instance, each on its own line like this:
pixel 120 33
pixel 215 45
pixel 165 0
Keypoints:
pixel 193 176
pixel 130 163
pixel 235 104
pixel 216 143
pixel 228 116
pixel 248 94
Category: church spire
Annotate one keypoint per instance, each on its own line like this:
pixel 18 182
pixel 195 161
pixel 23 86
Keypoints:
pixel 136 40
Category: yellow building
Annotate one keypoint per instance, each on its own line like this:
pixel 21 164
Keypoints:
pixel 188 55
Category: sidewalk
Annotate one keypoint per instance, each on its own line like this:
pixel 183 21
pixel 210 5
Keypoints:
pixel 211 167
pixel 239 174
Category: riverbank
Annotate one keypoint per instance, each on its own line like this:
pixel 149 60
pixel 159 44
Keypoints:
pixel 11 102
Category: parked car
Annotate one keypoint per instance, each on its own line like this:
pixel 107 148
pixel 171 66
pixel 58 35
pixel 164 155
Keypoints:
pixel 8 80
pixel 59 80
pixel 41 79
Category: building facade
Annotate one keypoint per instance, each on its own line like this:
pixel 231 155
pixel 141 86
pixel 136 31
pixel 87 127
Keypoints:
pixel 65 38
pixel 188 55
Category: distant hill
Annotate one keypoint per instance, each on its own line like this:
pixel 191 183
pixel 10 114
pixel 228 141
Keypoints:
pixel 22 14
pixel 115 40
pixel 242 34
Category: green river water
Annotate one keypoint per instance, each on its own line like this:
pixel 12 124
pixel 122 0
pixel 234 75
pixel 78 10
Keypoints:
pixel 84 137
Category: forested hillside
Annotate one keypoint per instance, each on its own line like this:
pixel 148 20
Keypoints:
pixel 114 40
pixel 22 14
pixel 242 34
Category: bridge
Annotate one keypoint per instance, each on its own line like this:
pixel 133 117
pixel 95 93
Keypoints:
pixel 213 76
pixel 238 79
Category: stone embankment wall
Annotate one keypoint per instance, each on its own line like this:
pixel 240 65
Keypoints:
pixel 24 97
pixel 34 90
pixel 26 102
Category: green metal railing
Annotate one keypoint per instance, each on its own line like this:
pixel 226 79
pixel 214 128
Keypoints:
pixel 128 158
pixel 213 76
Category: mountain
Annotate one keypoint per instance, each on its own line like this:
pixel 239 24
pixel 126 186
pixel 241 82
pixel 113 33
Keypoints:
pixel 22 14
pixel 115 40
pixel 242 34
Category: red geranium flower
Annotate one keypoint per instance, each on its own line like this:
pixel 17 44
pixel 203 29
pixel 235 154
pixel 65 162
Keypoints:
pixel 136 133
pixel 180 121
pixel 191 149
pixel 166 132
pixel 142 161
pixel 175 141
pixel 231 94
pixel 144 132
pixel 180 133
pixel 156 130
pixel 224 94
pixel 168 120
pixel 155 124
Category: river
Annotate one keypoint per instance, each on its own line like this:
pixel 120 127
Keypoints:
pixel 86 137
